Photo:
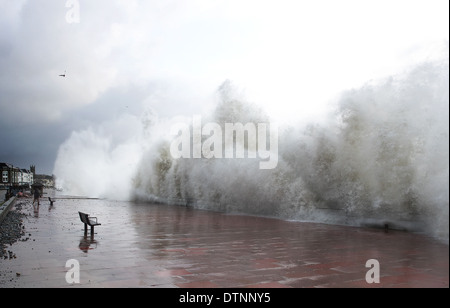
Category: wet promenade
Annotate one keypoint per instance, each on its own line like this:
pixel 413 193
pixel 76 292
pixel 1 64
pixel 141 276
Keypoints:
pixel 144 245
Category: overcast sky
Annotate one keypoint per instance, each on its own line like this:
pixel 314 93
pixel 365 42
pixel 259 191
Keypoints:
pixel 123 56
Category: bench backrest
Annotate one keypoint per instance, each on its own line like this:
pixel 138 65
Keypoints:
pixel 84 217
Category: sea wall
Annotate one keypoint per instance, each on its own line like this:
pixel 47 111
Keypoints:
pixel 5 207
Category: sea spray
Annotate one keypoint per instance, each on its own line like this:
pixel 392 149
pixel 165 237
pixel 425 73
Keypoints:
pixel 385 157
pixel 100 160
pixel 382 159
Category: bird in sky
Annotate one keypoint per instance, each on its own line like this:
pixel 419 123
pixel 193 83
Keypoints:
pixel 63 75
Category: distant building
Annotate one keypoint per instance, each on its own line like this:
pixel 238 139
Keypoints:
pixel 8 174
pixel 27 177
pixel 15 177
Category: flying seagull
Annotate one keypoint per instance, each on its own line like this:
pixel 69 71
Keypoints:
pixel 63 75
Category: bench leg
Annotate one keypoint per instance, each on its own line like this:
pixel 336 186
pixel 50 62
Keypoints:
pixel 85 228
pixel 92 230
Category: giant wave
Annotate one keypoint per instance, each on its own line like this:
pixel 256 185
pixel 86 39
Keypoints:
pixel 381 158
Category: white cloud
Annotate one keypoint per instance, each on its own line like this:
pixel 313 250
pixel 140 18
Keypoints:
pixel 292 53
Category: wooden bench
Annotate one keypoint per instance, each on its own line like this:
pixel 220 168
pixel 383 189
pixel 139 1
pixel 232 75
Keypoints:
pixel 51 201
pixel 91 221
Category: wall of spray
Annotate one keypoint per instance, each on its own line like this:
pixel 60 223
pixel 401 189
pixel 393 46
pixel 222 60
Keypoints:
pixel 381 158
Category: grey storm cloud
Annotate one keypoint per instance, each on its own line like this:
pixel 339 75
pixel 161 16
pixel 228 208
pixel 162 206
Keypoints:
pixel 41 46
pixel 36 45
pixel 104 57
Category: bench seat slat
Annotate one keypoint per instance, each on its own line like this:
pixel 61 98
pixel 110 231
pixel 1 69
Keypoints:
pixel 93 223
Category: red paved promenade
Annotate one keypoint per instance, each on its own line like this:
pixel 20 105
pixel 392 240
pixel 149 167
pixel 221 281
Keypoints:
pixel 142 245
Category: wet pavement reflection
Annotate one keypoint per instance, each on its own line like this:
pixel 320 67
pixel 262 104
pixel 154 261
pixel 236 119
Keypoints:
pixel 147 245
